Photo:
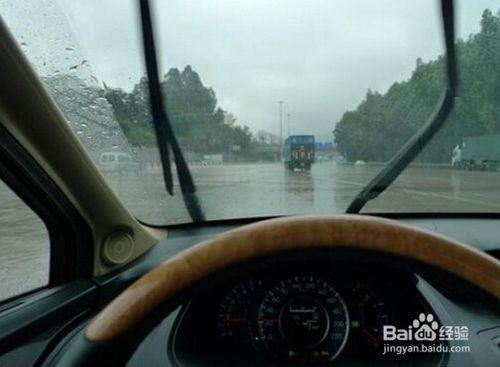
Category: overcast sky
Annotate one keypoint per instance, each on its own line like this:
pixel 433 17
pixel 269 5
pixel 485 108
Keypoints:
pixel 320 57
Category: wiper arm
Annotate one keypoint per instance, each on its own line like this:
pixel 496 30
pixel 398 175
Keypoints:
pixel 420 139
pixel 164 133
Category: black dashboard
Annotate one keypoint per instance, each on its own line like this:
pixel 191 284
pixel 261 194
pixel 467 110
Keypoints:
pixel 200 331
pixel 300 313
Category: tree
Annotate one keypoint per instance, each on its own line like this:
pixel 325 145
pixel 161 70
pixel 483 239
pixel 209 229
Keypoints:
pixel 382 123
pixel 198 122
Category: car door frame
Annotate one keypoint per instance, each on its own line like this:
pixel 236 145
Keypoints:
pixel 70 290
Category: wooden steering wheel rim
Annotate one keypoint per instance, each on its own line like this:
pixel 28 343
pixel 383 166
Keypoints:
pixel 344 231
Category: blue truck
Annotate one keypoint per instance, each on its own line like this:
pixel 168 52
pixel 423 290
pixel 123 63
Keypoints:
pixel 298 152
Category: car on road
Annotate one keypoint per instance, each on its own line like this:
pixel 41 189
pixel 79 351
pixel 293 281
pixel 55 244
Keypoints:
pixel 384 256
pixel 118 163
pixel 478 153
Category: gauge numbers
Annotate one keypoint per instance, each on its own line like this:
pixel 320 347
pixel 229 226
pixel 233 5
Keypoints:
pixel 372 313
pixel 303 318
pixel 234 318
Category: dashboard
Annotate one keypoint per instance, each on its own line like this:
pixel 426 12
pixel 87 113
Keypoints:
pixel 302 313
pixel 217 324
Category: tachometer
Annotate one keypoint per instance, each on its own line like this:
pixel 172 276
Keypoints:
pixel 303 318
pixel 233 317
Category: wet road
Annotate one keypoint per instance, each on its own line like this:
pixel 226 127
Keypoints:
pixel 246 190
pixel 24 247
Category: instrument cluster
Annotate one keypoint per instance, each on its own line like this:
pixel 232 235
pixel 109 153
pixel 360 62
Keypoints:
pixel 297 316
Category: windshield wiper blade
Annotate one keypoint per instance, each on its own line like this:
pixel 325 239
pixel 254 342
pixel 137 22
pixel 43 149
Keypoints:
pixel 419 140
pixel 164 133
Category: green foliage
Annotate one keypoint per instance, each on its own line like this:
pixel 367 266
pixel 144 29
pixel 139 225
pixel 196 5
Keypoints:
pixel 381 124
pixel 192 110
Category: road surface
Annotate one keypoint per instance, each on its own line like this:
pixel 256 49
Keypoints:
pixel 247 190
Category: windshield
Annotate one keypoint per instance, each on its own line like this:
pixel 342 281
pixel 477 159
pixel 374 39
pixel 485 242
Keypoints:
pixel 279 107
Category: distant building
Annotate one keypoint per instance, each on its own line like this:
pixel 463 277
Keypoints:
pixel 229 119
pixel 323 146
pixel 267 138
pixel 324 151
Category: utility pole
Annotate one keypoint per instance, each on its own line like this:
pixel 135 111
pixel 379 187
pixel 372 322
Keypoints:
pixel 288 121
pixel 280 103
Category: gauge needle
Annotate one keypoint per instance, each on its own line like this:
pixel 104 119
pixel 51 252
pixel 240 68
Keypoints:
pixel 366 299
pixel 237 319
pixel 372 338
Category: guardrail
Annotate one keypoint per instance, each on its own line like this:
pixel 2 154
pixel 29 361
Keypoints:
pixel 416 164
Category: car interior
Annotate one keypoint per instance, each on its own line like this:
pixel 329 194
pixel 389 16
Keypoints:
pixel 343 288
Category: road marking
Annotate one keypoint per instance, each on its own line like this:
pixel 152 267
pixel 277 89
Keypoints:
pixel 451 198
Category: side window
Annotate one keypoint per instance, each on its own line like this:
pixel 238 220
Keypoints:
pixel 24 247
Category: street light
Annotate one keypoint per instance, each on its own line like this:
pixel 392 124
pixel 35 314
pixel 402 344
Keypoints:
pixel 288 121
pixel 280 103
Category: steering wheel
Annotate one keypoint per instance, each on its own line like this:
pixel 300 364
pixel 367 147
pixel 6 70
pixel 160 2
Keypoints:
pixel 127 319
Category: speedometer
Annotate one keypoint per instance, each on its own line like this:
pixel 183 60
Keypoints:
pixel 303 318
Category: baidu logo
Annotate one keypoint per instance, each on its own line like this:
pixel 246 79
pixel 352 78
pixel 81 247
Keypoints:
pixel 425 328
pixel 425 336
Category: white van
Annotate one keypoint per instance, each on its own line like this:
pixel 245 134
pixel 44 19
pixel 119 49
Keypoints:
pixel 118 162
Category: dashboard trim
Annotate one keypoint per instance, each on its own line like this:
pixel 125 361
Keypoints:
pixel 351 231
